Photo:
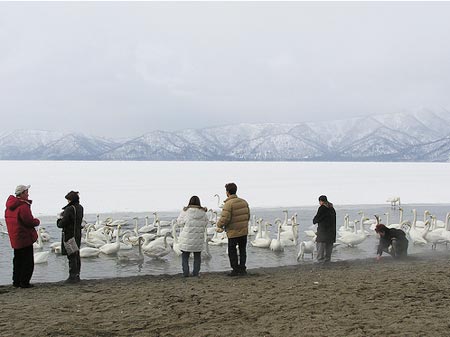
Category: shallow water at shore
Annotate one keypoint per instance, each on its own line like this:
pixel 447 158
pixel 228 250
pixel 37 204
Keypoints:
pixel 56 269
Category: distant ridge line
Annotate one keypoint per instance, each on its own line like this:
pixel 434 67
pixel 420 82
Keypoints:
pixel 423 136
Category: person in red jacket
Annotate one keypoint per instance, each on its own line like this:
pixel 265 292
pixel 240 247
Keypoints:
pixel 20 223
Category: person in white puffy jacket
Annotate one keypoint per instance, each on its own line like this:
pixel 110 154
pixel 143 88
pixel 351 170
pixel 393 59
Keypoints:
pixel 192 235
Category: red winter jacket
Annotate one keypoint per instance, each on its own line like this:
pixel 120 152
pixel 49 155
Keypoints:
pixel 20 222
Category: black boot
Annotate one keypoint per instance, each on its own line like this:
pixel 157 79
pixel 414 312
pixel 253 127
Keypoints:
pixel 73 279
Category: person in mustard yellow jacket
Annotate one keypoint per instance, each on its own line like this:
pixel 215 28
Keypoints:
pixel 234 220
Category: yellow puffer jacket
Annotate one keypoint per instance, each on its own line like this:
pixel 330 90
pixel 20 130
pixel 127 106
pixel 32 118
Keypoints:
pixel 234 217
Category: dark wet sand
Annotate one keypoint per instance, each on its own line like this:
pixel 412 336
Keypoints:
pixel 353 298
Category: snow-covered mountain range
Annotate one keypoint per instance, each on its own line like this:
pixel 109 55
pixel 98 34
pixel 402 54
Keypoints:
pixel 420 136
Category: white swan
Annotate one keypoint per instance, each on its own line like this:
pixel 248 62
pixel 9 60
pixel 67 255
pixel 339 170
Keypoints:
pixel 38 244
pixel 176 244
pixel 163 223
pixel 446 232
pixel 355 227
pixel 126 243
pixel 261 240
pixel 394 201
pixel 41 257
pixel 56 247
pixel 97 222
pixel 158 248
pixel 420 223
pixel 212 221
pixel 367 221
pixel 345 227
pixel 130 256
pixel 275 244
pixel 133 238
pixel 163 231
pixel 114 247
pixel 147 238
pixel 44 235
pixel 206 254
pixel 102 233
pixel 432 236
pixel 400 220
pixel 219 204
pixel 147 227
pixel 219 239
pixel 92 240
pixel 259 230
pixel 106 222
pixel 285 227
pixel 306 247
pixel 440 223
pixel 289 238
pixel 118 222
pixel 416 235
pixel 426 215
pixel 101 223
pixel 310 233
pixel 252 226
pixel 86 252
pixel 353 239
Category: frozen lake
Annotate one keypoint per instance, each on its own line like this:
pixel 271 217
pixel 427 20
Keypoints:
pixel 127 189
pixel 111 187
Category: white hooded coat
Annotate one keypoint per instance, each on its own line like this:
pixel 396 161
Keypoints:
pixel 192 235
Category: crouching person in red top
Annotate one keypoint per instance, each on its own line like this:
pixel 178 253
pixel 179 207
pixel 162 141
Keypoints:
pixel 21 223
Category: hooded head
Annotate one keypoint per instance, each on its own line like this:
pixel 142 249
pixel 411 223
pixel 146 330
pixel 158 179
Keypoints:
pixel 72 196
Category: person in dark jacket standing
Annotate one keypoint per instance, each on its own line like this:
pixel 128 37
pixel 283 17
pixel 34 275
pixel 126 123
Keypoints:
pixel 392 241
pixel 21 223
pixel 70 222
pixel 326 229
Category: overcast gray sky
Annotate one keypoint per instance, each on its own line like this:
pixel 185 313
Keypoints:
pixel 122 69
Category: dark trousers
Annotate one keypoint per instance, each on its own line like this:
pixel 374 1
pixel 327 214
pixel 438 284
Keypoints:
pixel 185 262
pixel 400 248
pixel 324 250
pixel 240 242
pixel 397 248
pixel 74 265
pixel 23 266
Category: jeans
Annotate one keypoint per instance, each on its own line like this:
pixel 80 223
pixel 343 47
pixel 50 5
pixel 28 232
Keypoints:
pixel 23 266
pixel 185 263
pixel 324 250
pixel 240 242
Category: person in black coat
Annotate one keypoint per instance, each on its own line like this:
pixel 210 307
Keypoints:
pixel 326 229
pixel 70 222
pixel 392 241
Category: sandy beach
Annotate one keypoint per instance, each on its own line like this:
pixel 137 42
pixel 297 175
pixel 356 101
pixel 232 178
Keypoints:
pixel 351 298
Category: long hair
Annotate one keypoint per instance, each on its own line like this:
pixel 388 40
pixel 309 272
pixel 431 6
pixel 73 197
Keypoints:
pixel 194 202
